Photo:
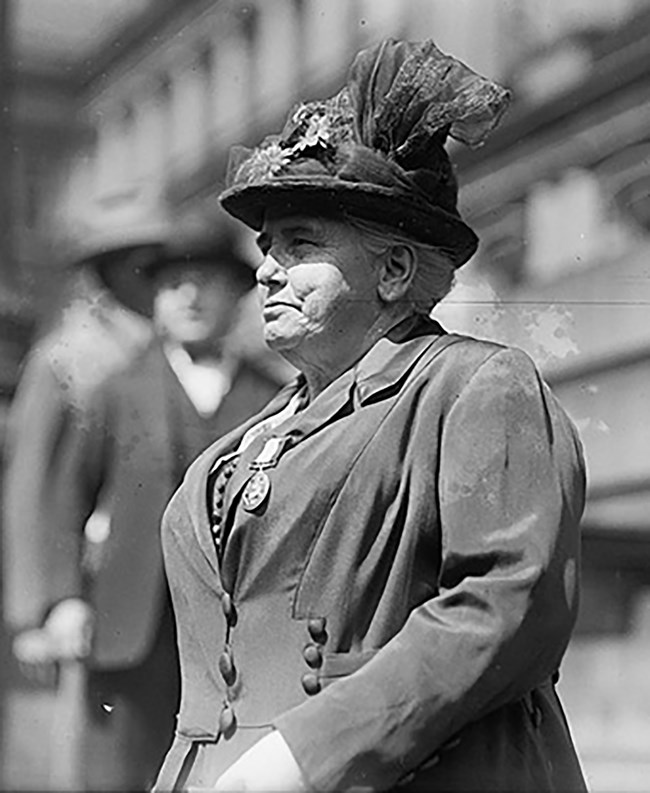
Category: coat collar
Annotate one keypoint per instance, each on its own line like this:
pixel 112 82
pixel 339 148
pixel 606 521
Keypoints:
pixel 393 357
pixel 196 481
pixel 382 369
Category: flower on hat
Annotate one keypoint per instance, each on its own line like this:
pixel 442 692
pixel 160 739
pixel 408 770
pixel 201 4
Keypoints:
pixel 318 133
pixel 264 162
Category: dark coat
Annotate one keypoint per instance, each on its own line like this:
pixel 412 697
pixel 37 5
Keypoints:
pixel 425 512
pixel 124 453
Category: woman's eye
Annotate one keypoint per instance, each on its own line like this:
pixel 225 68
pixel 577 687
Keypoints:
pixel 301 246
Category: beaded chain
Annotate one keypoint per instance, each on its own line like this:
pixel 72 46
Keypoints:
pixel 219 479
pixel 219 485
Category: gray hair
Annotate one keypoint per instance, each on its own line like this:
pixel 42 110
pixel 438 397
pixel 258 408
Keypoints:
pixel 434 272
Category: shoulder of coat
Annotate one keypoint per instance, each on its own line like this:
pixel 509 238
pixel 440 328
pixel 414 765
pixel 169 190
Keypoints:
pixel 468 357
pixel 471 352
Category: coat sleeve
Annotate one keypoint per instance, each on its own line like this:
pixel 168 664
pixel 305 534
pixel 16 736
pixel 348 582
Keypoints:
pixel 510 489
pixel 53 470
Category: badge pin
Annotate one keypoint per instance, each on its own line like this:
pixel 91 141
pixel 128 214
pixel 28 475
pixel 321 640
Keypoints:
pixel 256 491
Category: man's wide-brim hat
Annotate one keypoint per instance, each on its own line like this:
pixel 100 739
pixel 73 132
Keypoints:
pixel 127 237
pixel 376 150
pixel 199 247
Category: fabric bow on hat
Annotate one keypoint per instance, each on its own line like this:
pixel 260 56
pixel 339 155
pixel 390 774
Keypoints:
pixel 408 97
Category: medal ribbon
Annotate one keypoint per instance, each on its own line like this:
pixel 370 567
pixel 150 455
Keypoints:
pixel 270 453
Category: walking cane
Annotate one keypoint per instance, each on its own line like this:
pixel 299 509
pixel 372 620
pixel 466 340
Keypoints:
pixel 69 724
pixel 34 651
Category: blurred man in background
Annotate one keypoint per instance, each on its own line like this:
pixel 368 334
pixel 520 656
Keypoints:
pixel 91 469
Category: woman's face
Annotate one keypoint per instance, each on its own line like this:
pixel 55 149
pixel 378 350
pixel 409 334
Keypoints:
pixel 318 289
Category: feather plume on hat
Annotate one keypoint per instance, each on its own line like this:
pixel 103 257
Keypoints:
pixel 376 149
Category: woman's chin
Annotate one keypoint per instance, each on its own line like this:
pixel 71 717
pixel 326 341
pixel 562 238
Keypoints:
pixel 279 342
pixel 281 336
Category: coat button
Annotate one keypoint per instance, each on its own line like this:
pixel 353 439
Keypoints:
pixel 310 683
pixel 228 609
pixel 227 720
pixel 227 667
pixel 316 627
pixel 313 656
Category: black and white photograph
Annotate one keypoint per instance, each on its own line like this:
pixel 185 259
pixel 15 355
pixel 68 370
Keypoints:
pixel 325 396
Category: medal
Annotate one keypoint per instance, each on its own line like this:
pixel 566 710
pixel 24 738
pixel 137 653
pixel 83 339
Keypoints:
pixel 256 491
pixel 258 487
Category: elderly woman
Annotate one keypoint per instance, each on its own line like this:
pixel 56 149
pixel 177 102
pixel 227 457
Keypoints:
pixel 375 579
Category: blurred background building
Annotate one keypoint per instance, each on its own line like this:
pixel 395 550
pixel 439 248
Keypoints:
pixel 95 94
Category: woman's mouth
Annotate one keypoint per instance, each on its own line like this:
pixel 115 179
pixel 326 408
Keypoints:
pixel 277 305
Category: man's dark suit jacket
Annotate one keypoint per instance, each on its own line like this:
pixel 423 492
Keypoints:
pixel 399 606
pixel 126 453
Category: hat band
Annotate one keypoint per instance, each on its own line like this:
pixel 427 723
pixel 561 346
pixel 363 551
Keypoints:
pixel 357 165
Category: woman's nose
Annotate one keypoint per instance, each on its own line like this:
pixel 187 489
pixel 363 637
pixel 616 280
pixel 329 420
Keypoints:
pixel 271 272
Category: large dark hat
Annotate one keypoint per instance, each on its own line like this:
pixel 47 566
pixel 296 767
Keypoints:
pixel 377 148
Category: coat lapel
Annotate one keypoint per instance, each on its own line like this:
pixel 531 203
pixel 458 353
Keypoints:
pixel 316 415
pixel 392 359
pixel 151 397
pixel 383 368
pixel 197 481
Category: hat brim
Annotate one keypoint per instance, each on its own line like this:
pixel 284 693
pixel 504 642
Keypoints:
pixel 242 273
pixel 124 272
pixel 423 222
pixel 129 272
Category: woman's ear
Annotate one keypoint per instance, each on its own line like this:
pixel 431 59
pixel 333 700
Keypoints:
pixel 396 272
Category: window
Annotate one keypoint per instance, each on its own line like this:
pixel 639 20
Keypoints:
pixel 564 224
